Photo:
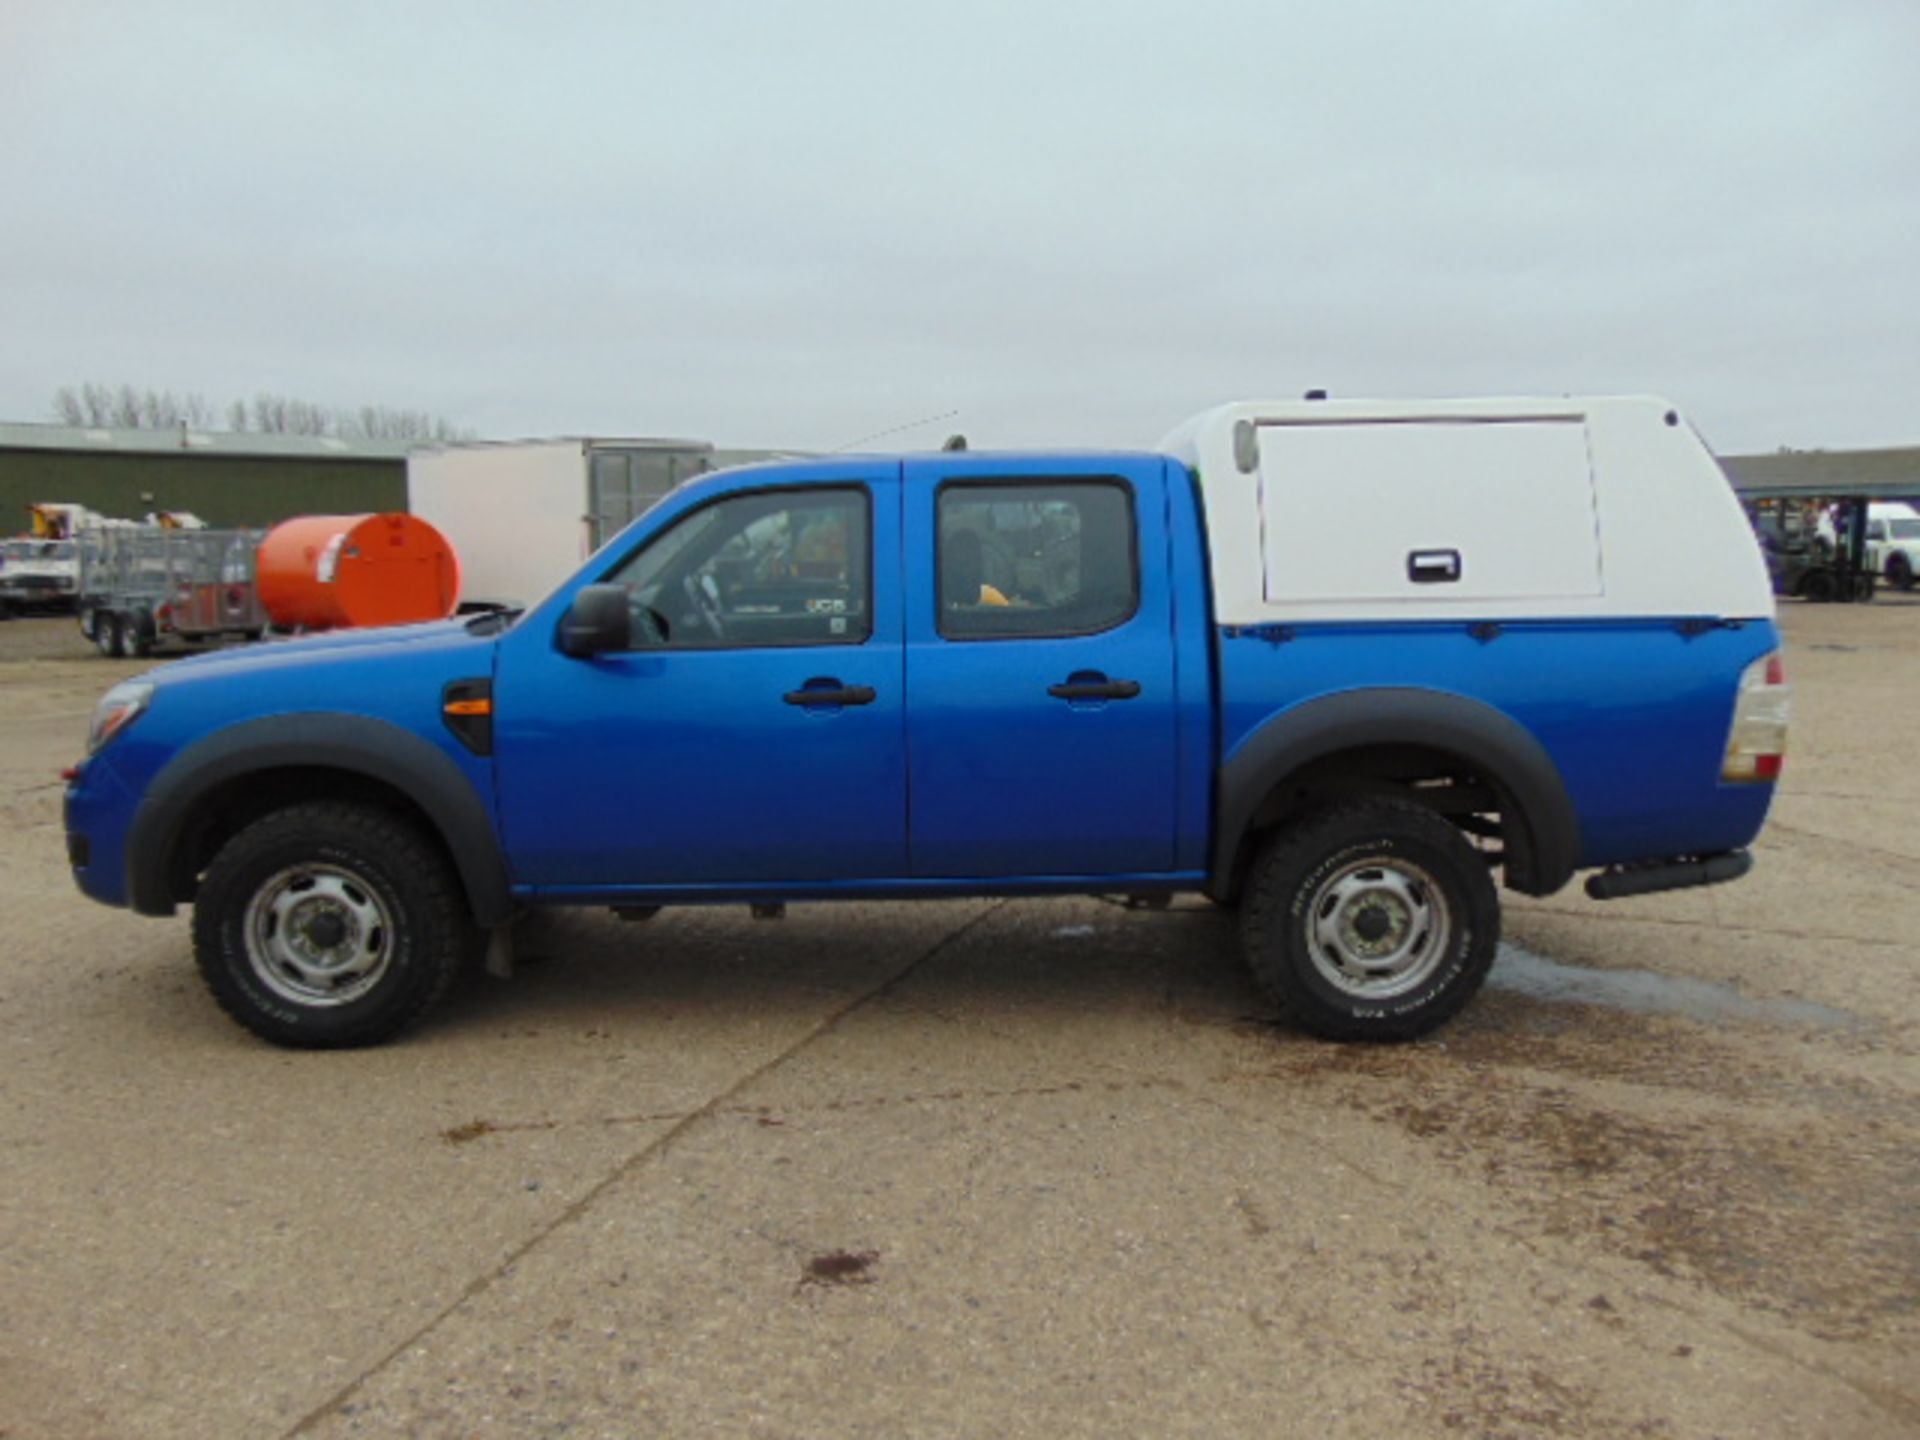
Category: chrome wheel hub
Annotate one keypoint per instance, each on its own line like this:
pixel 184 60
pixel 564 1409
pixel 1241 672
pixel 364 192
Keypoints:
pixel 318 935
pixel 1378 928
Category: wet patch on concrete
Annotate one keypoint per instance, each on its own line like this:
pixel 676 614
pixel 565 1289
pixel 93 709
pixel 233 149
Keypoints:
pixel 1644 992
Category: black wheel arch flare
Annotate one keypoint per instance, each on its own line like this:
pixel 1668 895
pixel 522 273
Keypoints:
pixel 357 744
pixel 1544 843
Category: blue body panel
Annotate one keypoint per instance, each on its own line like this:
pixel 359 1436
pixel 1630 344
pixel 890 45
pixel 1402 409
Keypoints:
pixel 1634 713
pixel 394 674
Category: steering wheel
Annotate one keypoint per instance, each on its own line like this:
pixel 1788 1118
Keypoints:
pixel 705 595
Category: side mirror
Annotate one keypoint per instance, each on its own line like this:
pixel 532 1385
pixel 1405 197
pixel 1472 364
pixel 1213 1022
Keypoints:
pixel 598 622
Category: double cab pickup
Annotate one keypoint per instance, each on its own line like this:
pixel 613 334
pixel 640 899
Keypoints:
pixel 1345 666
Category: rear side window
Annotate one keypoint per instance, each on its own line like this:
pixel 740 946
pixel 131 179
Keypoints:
pixel 1035 560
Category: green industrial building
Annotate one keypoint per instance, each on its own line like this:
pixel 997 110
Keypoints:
pixel 224 478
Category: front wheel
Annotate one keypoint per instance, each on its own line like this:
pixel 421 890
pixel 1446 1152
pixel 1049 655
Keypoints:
pixel 328 925
pixel 1374 920
pixel 1899 571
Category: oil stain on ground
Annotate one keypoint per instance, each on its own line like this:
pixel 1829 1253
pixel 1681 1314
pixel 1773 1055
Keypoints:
pixel 839 1267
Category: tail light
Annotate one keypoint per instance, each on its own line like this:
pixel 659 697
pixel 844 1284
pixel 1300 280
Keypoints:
pixel 1757 744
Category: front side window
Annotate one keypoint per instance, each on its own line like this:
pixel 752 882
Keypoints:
pixel 777 567
pixel 1035 560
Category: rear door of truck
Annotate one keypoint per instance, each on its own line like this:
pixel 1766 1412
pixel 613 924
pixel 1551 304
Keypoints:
pixel 1041 707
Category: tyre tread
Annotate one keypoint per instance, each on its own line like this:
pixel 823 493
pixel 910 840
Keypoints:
pixel 419 867
pixel 1265 905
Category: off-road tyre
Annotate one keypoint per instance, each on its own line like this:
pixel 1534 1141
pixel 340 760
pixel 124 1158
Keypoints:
pixel 400 898
pixel 1325 870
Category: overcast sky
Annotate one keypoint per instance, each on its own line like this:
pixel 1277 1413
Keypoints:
pixel 800 224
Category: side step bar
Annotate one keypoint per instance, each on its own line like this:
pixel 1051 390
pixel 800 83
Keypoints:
pixel 1623 881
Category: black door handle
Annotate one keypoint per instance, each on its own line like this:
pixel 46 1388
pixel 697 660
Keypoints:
pixel 1095 690
pixel 1433 567
pixel 826 695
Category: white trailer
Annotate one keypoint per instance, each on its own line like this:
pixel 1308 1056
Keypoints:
pixel 522 515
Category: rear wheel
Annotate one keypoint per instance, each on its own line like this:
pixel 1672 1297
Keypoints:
pixel 1374 920
pixel 106 633
pixel 327 925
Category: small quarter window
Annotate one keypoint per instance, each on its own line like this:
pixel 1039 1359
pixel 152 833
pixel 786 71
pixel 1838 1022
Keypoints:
pixel 1035 560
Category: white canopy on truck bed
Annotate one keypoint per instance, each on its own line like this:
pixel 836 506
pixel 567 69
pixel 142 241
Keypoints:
pixel 1458 509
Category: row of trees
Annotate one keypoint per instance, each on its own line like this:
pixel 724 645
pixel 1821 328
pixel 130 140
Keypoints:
pixel 124 407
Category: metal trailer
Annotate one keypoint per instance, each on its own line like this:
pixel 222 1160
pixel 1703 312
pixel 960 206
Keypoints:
pixel 141 585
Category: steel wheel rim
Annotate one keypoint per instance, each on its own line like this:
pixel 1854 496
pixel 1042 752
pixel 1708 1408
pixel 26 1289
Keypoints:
pixel 1378 928
pixel 318 935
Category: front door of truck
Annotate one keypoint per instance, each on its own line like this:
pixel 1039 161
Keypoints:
pixel 754 735
pixel 1040 669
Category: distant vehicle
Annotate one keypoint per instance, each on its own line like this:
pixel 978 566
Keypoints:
pixel 38 575
pixel 1805 550
pixel 1893 543
pixel 1339 664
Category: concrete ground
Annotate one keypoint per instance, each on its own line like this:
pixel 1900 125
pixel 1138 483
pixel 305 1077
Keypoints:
pixel 991 1169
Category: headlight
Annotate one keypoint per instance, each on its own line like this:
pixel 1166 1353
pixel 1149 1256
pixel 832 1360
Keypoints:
pixel 118 708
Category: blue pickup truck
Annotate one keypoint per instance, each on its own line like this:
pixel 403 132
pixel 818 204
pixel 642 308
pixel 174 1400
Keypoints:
pixel 1339 664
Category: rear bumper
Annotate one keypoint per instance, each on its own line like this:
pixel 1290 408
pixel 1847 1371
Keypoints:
pixel 1682 873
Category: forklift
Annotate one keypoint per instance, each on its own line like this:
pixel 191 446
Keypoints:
pixel 1806 561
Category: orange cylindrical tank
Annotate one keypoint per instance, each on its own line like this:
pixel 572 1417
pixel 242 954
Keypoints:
pixel 322 572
